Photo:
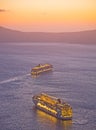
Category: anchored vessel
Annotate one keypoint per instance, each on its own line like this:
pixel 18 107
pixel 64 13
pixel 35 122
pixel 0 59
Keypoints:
pixel 41 68
pixel 53 106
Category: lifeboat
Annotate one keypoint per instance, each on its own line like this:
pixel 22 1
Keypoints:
pixel 53 106
pixel 41 68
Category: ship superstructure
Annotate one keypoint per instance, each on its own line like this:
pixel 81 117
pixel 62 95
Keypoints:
pixel 41 68
pixel 53 106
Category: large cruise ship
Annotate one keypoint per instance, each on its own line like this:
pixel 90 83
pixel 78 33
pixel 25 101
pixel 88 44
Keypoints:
pixel 53 106
pixel 41 68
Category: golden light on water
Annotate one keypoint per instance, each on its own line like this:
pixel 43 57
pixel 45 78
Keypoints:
pixel 44 118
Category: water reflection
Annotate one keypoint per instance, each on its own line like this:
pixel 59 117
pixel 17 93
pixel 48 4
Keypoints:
pixel 42 74
pixel 35 76
pixel 50 122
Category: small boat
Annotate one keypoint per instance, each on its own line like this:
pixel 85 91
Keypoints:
pixel 41 68
pixel 53 106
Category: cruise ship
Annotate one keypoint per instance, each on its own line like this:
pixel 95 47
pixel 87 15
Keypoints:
pixel 53 106
pixel 41 68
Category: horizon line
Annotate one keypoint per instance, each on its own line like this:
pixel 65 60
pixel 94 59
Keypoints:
pixel 4 27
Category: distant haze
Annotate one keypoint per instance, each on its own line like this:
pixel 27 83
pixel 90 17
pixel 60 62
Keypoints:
pixel 83 37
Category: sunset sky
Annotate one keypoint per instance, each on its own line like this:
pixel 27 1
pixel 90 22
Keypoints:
pixel 48 15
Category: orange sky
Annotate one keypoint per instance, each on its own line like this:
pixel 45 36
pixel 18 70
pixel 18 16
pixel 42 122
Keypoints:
pixel 48 15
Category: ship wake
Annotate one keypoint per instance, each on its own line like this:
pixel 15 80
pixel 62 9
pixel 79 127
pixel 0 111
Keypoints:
pixel 14 79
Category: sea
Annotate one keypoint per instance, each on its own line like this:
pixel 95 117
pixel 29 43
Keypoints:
pixel 73 80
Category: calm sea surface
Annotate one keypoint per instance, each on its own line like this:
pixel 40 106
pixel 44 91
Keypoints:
pixel 73 79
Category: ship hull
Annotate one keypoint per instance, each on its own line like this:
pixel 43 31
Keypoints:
pixel 49 112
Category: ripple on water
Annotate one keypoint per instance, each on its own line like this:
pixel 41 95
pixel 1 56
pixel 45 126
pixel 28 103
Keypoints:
pixel 80 121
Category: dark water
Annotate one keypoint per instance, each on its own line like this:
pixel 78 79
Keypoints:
pixel 73 79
